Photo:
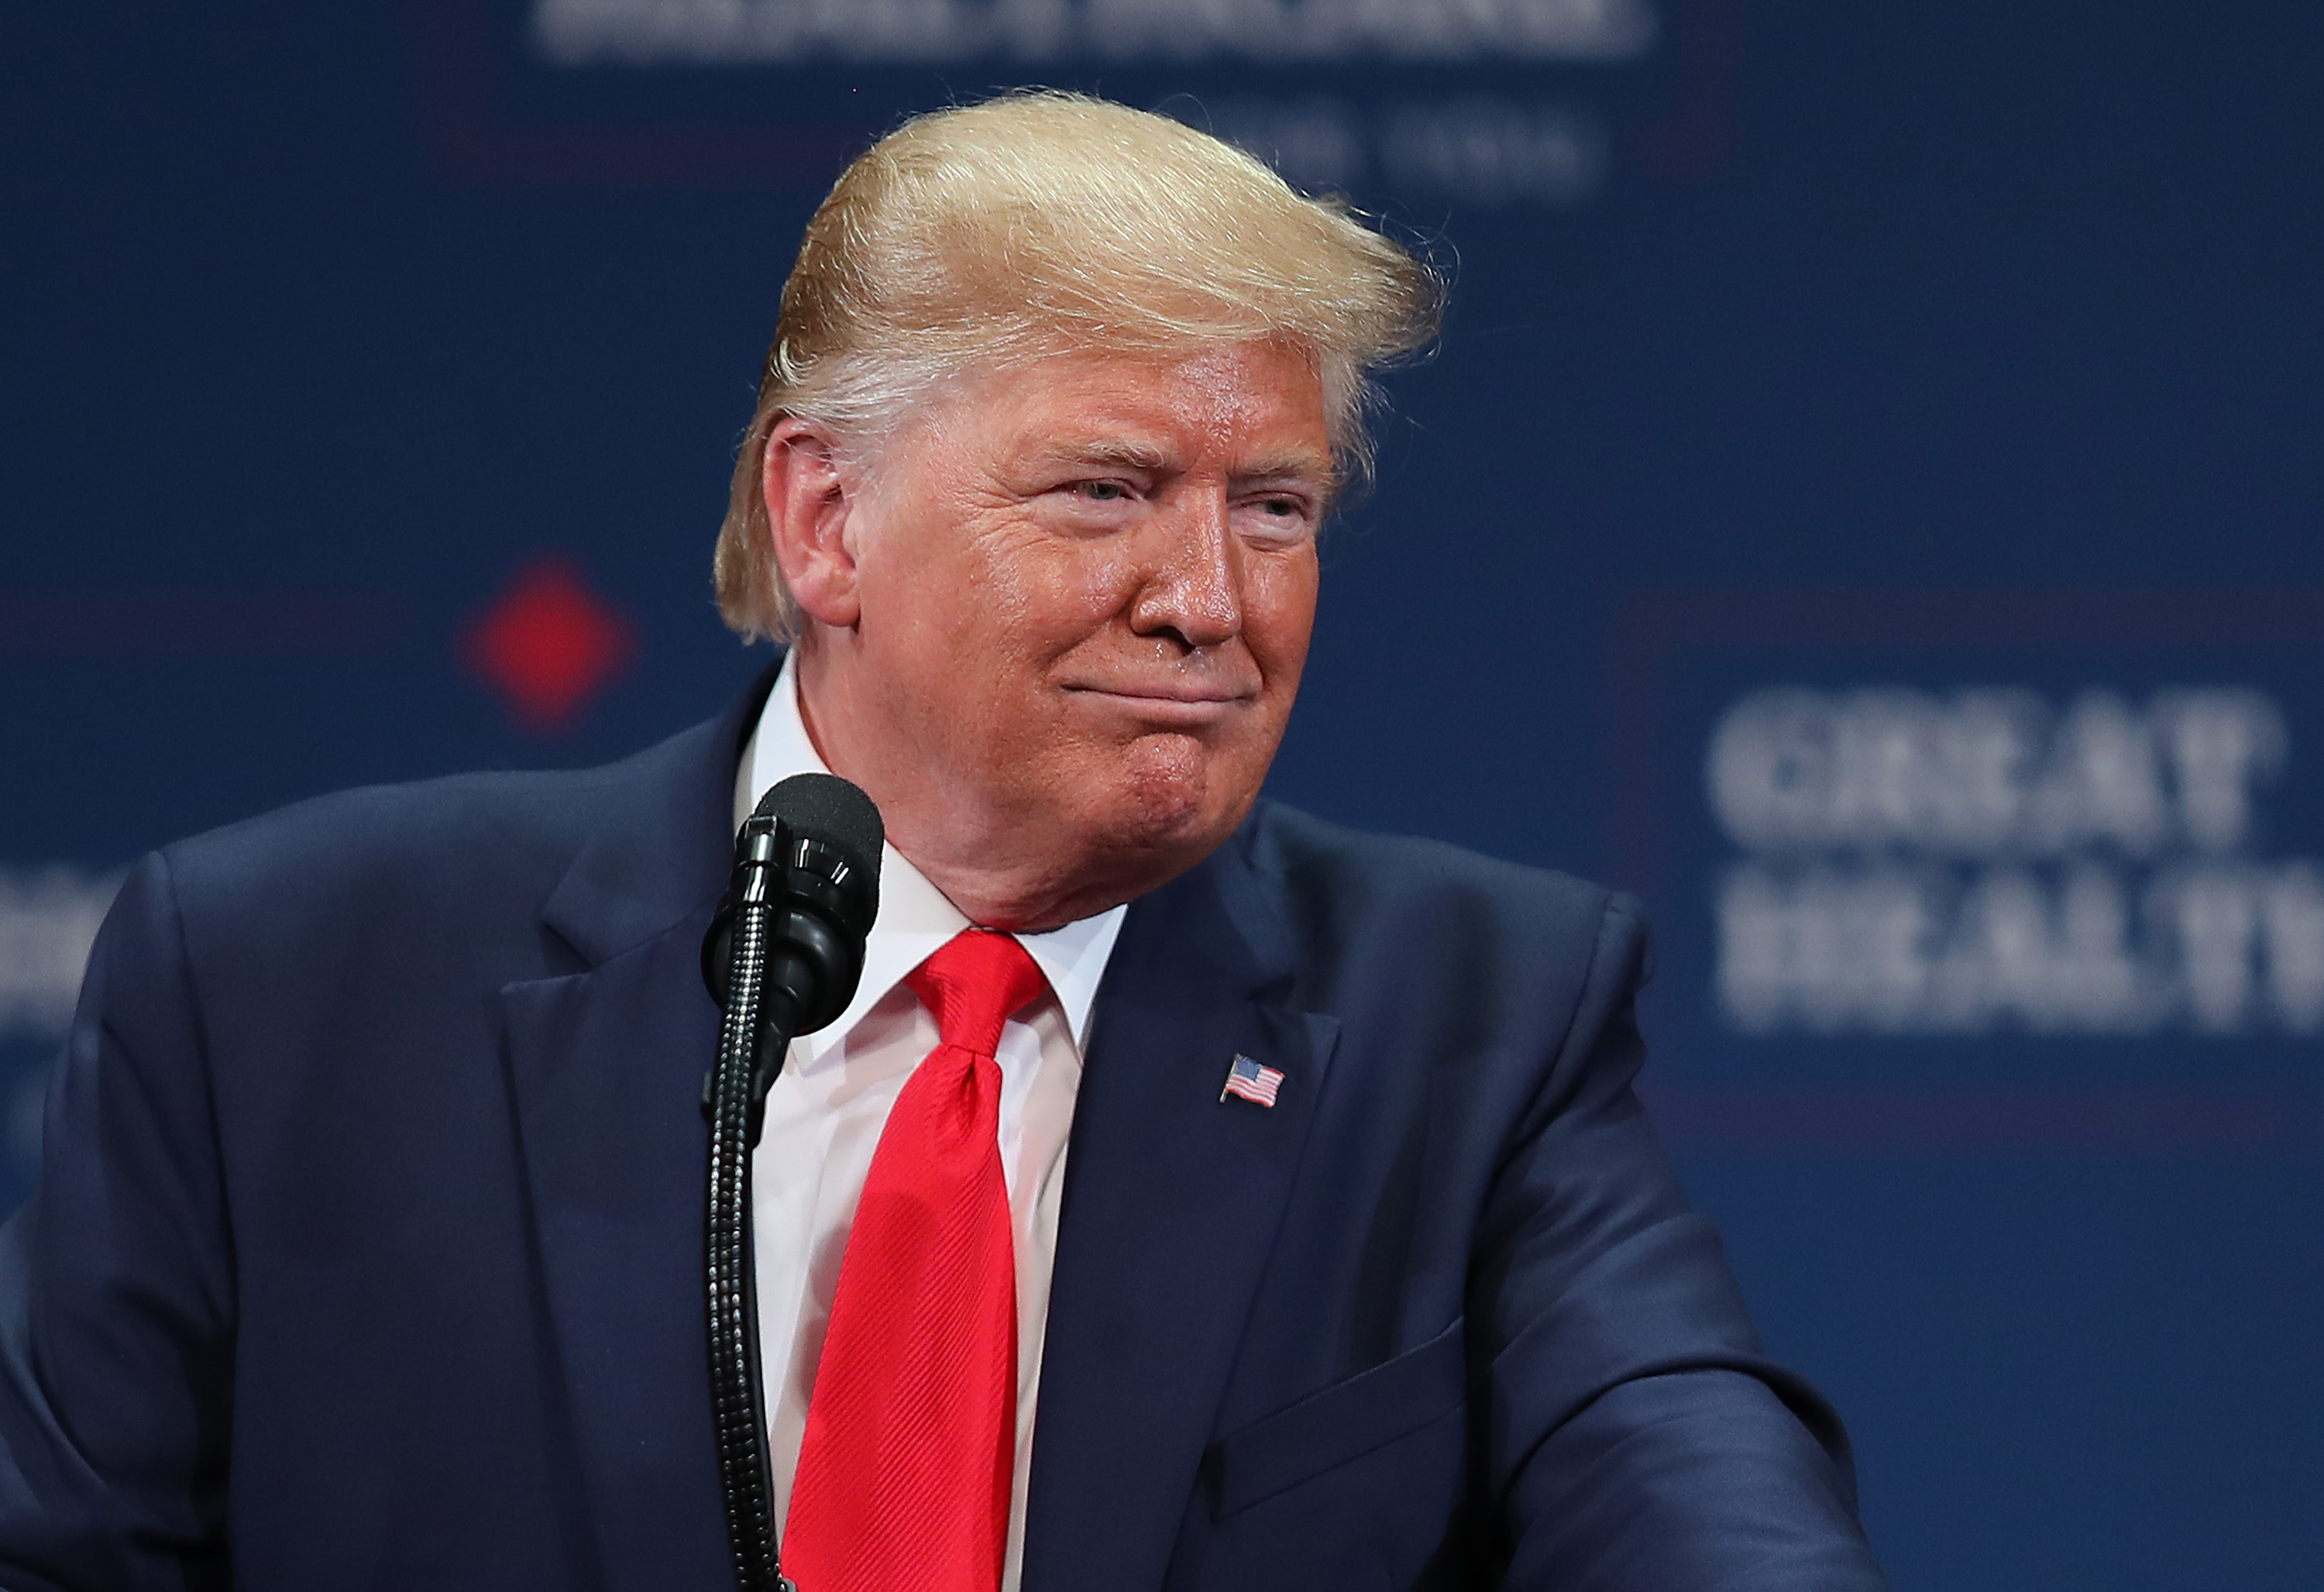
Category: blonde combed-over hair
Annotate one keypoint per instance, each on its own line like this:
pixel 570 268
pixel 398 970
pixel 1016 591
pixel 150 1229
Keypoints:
pixel 1040 223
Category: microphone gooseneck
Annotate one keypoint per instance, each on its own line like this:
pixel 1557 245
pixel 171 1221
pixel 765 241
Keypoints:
pixel 782 958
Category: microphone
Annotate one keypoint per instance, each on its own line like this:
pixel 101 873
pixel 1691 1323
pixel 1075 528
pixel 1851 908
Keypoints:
pixel 806 879
pixel 783 957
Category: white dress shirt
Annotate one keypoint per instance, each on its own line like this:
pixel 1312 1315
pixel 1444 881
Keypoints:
pixel 826 1110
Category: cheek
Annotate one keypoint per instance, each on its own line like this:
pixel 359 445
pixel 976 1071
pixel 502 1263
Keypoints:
pixel 1045 596
pixel 1279 617
pixel 952 585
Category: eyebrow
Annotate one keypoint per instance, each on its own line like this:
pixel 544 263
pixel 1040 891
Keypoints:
pixel 1300 466
pixel 1126 456
pixel 1296 465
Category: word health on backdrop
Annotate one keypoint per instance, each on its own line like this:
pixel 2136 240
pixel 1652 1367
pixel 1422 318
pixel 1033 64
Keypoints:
pixel 48 918
pixel 1919 862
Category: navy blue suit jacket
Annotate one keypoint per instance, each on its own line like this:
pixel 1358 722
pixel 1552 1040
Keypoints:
pixel 367 1250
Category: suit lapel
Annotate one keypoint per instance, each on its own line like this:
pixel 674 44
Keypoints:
pixel 605 1067
pixel 1171 1201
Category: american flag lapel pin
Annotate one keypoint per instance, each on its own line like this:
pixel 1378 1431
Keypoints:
pixel 1249 1080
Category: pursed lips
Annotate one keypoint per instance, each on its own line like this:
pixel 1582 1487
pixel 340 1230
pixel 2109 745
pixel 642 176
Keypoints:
pixel 1185 702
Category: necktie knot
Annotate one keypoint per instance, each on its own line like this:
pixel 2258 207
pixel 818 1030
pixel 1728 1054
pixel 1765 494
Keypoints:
pixel 975 984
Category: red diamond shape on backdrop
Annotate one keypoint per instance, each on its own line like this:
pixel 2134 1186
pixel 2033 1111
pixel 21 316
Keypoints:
pixel 548 645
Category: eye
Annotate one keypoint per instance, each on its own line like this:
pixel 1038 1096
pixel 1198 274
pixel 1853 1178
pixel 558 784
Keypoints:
pixel 1102 491
pixel 1277 517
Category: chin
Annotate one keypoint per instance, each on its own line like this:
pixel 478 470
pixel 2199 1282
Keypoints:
pixel 1167 799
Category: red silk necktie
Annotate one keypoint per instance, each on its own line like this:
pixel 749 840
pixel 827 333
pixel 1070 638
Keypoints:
pixel 903 1480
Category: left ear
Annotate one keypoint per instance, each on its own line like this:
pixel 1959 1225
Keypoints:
pixel 810 500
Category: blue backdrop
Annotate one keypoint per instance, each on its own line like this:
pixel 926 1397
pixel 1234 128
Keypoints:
pixel 1867 502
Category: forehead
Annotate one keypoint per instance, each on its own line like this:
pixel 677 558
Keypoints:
pixel 1252 407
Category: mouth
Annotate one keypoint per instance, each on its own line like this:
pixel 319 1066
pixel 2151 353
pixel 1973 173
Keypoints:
pixel 1187 705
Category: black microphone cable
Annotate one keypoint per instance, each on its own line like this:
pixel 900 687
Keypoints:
pixel 783 957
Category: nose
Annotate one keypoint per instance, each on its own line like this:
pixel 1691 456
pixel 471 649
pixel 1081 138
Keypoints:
pixel 1192 591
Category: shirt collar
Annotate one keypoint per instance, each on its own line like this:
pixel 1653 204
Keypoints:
pixel 915 918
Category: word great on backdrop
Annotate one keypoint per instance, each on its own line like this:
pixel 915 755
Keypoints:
pixel 1990 859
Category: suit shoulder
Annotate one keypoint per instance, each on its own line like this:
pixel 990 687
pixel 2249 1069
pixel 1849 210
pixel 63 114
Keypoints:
pixel 1314 856
pixel 385 846
pixel 453 822
pixel 1346 891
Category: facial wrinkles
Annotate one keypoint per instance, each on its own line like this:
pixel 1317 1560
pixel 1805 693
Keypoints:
pixel 1004 599
pixel 983 609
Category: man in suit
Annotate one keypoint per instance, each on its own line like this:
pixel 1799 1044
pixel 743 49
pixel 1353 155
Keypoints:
pixel 1195 1196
